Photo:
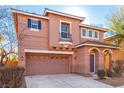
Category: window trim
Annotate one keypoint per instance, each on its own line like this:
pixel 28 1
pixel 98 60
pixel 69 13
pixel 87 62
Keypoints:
pixel 34 23
pixel 82 33
pixel 87 34
pixel 63 21
pixel 92 34
pixel 97 33
pixel 65 32
pixel 34 29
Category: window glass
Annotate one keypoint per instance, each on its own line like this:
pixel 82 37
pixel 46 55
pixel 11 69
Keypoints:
pixel 90 33
pixel 83 32
pixel 34 24
pixel 64 35
pixel 64 32
pixel 64 28
pixel 96 34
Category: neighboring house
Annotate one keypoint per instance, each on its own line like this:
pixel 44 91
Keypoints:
pixel 56 42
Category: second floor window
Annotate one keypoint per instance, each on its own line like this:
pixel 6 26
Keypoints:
pixel 34 24
pixel 83 32
pixel 96 34
pixel 90 33
pixel 86 33
pixel 64 31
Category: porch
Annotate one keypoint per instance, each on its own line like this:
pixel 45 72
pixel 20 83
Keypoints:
pixel 92 57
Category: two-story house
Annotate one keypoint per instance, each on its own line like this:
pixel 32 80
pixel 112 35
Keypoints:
pixel 56 42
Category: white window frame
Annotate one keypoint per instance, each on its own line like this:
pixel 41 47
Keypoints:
pixel 87 34
pixel 97 33
pixel 34 29
pixel 62 31
pixel 82 33
pixel 63 21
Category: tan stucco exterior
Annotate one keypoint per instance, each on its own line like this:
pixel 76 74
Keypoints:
pixel 119 54
pixel 48 39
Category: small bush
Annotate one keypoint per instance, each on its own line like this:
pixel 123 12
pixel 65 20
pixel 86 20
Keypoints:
pixel 119 66
pixel 11 77
pixel 109 73
pixel 117 72
pixel 101 74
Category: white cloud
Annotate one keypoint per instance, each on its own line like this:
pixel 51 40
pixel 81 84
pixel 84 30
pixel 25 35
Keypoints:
pixel 76 10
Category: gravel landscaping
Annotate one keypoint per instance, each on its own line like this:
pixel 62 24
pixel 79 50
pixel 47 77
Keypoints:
pixel 115 81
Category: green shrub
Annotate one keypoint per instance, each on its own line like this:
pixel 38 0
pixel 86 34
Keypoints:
pixel 117 71
pixel 109 73
pixel 101 74
pixel 119 66
pixel 11 77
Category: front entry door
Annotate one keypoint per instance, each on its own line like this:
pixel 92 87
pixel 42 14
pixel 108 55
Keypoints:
pixel 92 62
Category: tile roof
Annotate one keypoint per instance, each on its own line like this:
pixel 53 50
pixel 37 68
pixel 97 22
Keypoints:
pixel 96 43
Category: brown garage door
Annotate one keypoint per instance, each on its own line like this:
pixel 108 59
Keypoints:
pixel 36 65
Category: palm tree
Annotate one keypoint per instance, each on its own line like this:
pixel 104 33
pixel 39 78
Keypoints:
pixel 116 24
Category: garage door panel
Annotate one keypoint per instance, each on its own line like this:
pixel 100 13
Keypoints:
pixel 46 65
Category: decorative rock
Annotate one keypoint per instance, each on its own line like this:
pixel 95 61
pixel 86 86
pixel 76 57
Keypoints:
pixel 94 76
pixel 108 78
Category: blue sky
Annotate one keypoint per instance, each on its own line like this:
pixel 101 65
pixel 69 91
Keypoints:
pixel 95 14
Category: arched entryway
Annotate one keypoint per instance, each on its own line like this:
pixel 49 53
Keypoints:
pixel 107 59
pixel 94 59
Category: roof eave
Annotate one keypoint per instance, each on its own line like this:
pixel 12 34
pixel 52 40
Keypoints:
pixel 96 45
pixel 108 37
pixel 63 14
pixel 98 28
pixel 46 51
pixel 27 13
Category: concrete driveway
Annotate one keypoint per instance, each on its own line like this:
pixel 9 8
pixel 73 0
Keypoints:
pixel 63 81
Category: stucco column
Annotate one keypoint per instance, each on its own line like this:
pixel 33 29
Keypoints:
pixel 101 61
pixel 73 68
pixel 86 61
pixel 87 64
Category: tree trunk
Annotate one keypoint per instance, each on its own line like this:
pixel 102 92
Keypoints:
pixel 0 64
pixel 1 61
